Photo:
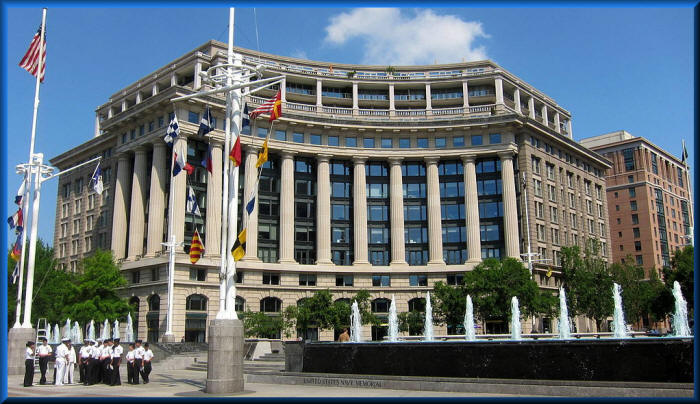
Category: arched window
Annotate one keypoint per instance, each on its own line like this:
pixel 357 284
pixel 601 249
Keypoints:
pixel 154 303
pixel 134 302
pixel 270 305
pixel 380 305
pixel 240 304
pixel 416 304
pixel 196 302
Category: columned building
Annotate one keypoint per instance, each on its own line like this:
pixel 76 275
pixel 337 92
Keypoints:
pixel 376 181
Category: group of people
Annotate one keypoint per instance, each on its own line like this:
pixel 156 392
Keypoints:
pixel 98 362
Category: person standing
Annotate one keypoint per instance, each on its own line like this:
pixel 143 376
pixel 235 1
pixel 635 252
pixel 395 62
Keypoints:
pixel 70 366
pixel 106 359
pixel 117 351
pixel 130 364
pixel 61 360
pixel 138 360
pixel 96 369
pixel 147 358
pixel 45 352
pixel 84 360
pixel 29 364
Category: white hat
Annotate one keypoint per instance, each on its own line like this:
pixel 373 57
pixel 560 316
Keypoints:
pixel 65 339
pixel 99 340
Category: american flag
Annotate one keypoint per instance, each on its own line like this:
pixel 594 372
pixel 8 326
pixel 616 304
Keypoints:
pixel 272 107
pixel 30 61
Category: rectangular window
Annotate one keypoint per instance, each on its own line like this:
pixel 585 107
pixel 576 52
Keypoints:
pixel 418 280
pixel 192 117
pixel 387 143
pixel 350 142
pixel 553 214
pixel 343 280
pixel 155 274
pixel 298 137
pixel 262 132
pixel 422 142
pixel 637 246
pixel 368 142
pixel 280 135
pixel 270 278
pixel 494 138
pixel 307 279
pixel 477 140
pixel 458 141
pixel 404 143
pixel 538 187
pixel 198 274
pixel 632 192
pixel 440 142
pixel 628 155
pixel 455 279
pixel 381 280
pixel 315 139
pixel 136 277
pixel 333 141
pixel 633 205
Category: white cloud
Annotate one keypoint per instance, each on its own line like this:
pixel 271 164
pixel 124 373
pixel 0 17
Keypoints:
pixel 391 37
pixel 300 54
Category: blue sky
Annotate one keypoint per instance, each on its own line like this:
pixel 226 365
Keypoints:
pixel 612 68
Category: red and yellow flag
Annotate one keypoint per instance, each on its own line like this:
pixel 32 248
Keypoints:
pixel 235 154
pixel 196 248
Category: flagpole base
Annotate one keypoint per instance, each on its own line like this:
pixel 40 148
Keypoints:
pixel 16 347
pixel 225 357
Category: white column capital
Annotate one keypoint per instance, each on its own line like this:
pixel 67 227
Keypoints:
pixel 468 158
pixel 323 158
pixel 430 160
pixel 395 160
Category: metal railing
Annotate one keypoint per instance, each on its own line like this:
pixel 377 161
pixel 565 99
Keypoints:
pixel 534 336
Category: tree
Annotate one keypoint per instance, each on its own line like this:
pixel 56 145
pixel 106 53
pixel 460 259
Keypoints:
pixel 314 311
pixel 411 322
pixel 449 304
pixel 681 270
pixel 587 282
pixel 95 296
pixel 260 325
pixel 492 284
pixel 638 293
pixel 364 304
pixel 53 288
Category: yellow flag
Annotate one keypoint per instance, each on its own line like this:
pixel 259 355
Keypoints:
pixel 262 156
pixel 549 273
pixel 238 250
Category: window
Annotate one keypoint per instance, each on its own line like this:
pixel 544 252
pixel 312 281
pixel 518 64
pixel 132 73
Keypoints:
pixel 635 219
pixel 380 305
pixel 78 205
pixel 602 229
pixel 154 303
pixel 553 214
pixel 550 171
pixel 477 140
pixel 315 139
pixel 637 246
pixel 633 205
pixel 589 207
pixel 572 200
pixel 350 142
pixel 155 274
pixel 333 141
pixel 455 279
pixel 136 277
pixel 440 142
pixel 639 260
pixel 418 280
pixel 381 280
pixel 537 187
pixel 307 279
pixel 344 280
pixel 541 236
pixel 270 305
pixel 198 274
pixel 555 236
pixel 458 141
pixel 535 165
pixel 404 143
pixel 630 178
pixel 239 276
pixel 494 138
pixel 422 142
pixel 552 192
pixel 387 143
pixel 298 137
pixel 193 117
pixel 539 210
pixel 368 142
pixel 628 155
pixel 269 278
pixel 632 192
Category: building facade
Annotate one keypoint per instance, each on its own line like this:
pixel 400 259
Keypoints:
pixel 648 191
pixel 381 181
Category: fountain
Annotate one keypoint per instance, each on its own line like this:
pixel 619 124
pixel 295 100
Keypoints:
pixel 129 331
pixel 469 321
pixel 393 321
pixel 56 336
pixel 91 330
pixel 105 330
pixel 115 330
pixel 355 324
pixel 428 328
pixel 619 327
pixel 680 316
pixel 48 332
pixel 564 325
pixel 76 333
pixel 514 319
pixel 67 329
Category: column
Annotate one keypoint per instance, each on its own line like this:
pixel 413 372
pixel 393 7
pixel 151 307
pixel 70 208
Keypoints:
pixel 434 215
pixel 465 95
pixel 156 200
pixel 471 203
pixel 97 124
pixel 173 79
pixel 545 119
pixel 392 105
pixel 122 194
pixel 110 112
pixel 197 78
pixel 319 93
pixel 283 96
pixel 354 99
pixel 137 216
pixel 510 214
pixel 212 241
pixel 398 242
pixel 179 195
pixel 557 128
pixel 323 210
pixel 124 105
pixel 139 97
pixel 428 99
pixel 531 107
pixel 359 195
pixel 498 82
pixel 154 89
pixel 250 221
pixel 516 97
pixel 568 129
pixel 287 209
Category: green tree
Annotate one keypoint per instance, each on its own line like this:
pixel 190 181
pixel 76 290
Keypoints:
pixel 315 311
pixel 95 295
pixel 364 304
pixel 260 325
pixel 53 288
pixel 681 270
pixel 587 282
pixel 638 293
pixel 449 304
pixel 411 322
pixel 493 283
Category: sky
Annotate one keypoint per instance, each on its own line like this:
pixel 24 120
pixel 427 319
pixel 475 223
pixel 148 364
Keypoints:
pixel 612 68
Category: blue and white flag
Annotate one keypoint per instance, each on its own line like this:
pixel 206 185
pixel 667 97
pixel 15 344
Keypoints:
pixel 205 125
pixel 246 118
pixel 172 132
pixel 96 180
pixel 192 205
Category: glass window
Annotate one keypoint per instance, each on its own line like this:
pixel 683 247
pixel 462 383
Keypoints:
pixel 262 132
pixel 350 142
pixel 193 117
pixel 440 142
pixel 404 143
pixel 458 141
pixel 315 139
pixel 344 280
pixel 307 279
pixel 422 142
pixel 477 140
pixel 418 280
pixel 280 135
pixel 368 142
pixel 381 280
pixel 270 278
pixel 494 138
pixel 333 141
pixel 387 143
pixel 298 137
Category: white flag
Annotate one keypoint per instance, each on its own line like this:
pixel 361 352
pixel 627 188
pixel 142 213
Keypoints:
pixel 192 205
pixel 96 180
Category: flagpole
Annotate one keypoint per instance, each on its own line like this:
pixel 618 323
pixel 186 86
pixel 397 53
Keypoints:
pixel 171 244
pixel 20 287
pixel 37 191
pixel 691 220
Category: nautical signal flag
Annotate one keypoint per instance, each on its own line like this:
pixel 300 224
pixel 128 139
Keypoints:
pixel 17 249
pixel 192 205
pixel 172 132
pixel 30 61
pixel 16 220
pixel 245 120
pixel 262 156
pixel 15 273
pixel 238 250
pixel 250 205
pixel 20 193
pixel 180 165
pixel 235 154
pixel 196 248
pixel 96 180
pixel 205 124
pixel 208 162
pixel 272 107
pixel 684 157
pixel 549 273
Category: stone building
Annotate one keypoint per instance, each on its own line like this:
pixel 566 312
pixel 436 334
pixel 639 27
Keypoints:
pixel 381 179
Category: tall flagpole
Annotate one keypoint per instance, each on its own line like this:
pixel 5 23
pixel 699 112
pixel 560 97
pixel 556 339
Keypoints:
pixel 691 219
pixel 25 217
pixel 171 244
pixel 37 167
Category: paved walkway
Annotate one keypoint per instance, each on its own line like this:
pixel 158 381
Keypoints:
pixel 190 383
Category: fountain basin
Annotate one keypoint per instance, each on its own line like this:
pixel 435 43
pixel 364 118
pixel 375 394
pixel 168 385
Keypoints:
pixel 643 359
